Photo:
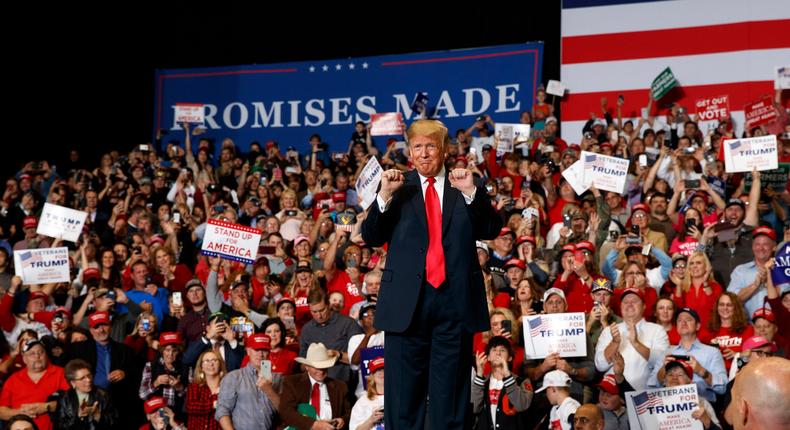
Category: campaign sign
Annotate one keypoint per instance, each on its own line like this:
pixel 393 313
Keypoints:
pixel 231 241
pixel 192 113
pixel 288 102
pixel 561 333
pixel 780 274
pixel 365 357
pixel 760 112
pixel 386 124
pixel 368 182
pixel 782 79
pixel 668 408
pixel 508 135
pixel 664 82
pixel 776 179
pixel 555 88
pixel 42 266
pixel 575 177
pixel 744 155
pixel 713 108
pixel 605 172
pixel 61 222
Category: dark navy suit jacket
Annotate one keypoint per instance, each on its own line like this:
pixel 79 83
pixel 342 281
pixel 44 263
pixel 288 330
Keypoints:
pixel 403 225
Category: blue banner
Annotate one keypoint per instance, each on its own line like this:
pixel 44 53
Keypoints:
pixel 289 102
pixel 780 274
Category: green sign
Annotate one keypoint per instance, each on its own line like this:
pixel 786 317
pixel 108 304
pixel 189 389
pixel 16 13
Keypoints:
pixel 776 179
pixel 664 82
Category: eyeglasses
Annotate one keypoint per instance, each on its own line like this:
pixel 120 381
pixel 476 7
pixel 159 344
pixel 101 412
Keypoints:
pixel 210 360
pixel 84 378
pixel 639 215
pixel 633 273
pixel 352 254
pixel 680 266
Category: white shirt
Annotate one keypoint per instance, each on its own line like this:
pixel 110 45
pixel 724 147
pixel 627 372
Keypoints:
pixel 497 385
pixel 438 186
pixel 353 343
pixel 363 409
pixel 326 405
pixel 637 369
pixel 558 418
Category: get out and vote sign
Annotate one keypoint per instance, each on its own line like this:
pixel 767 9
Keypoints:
pixel 231 241
pixel 564 334
pixel 743 155
pixel 668 408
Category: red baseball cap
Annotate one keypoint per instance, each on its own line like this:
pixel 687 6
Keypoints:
pixel 515 262
pixel 90 273
pixel 609 384
pixel 38 295
pixel 766 231
pixel 764 313
pixel 758 342
pixel 154 404
pixel 376 364
pixel 259 341
pixel 530 239
pixel 636 291
pixel 567 248
pixel 339 197
pixel 98 318
pixel 640 207
pixel 586 245
pixel 29 222
pixel 506 230
pixel 170 338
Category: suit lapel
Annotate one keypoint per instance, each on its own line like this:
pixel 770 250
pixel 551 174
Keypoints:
pixel 417 200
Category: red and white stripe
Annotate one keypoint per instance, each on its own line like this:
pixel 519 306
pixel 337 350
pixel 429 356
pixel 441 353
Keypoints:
pixel 714 47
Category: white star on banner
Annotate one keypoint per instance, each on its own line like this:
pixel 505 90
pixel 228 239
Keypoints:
pixel 312 69
pixel 351 66
pixel 325 68
pixel 338 67
pixel 365 65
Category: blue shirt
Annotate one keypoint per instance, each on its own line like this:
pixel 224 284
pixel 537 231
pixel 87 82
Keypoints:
pixel 101 378
pixel 708 357
pixel 240 398
pixel 743 276
pixel 159 302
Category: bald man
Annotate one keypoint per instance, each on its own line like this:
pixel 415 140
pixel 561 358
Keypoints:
pixel 588 417
pixel 761 396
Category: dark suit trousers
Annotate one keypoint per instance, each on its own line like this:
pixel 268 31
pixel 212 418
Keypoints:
pixel 431 359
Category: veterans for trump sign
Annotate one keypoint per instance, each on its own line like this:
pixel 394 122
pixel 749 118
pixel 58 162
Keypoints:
pixel 42 266
pixel 780 274
pixel 667 408
pixel 605 172
pixel 564 334
pixel 744 155
pixel 231 241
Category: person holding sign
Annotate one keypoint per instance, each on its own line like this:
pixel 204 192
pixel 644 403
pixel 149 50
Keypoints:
pixel 679 372
pixel 641 343
pixel 432 295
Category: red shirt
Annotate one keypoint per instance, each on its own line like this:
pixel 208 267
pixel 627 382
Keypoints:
pixel 342 282
pixel 577 293
pixel 555 213
pixel 498 171
pixel 518 351
pixel 725 338
pixel 200 407
pixel 700 301
pixel 283 361
pixel 19 389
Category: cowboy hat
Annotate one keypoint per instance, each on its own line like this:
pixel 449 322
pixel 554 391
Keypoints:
pixel 318 356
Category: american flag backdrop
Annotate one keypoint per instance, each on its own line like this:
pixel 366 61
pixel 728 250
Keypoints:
pixel 714 47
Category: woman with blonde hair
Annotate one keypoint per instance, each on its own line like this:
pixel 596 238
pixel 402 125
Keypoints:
pixel 368 411
pixel 635 276
pixel 505 324
pixel 288 202
pixel 144 337
pixel 202 393
pixel 698 290
pixel 174 276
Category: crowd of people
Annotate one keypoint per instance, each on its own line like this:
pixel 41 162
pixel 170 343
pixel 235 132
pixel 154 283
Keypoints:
pixel 673 275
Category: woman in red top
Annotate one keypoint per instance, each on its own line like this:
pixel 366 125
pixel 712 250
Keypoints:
pixel 579 269
pixel 202 393
pixel 143 339
pixel 687 241
pixel 728 327
pixel 300 286
pixel 698 290
pixel 174 276
pixel 634 276
pixel 665 317
pixel 282 359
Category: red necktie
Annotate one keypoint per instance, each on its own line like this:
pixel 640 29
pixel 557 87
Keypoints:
pixel 315 399
pixel 434 262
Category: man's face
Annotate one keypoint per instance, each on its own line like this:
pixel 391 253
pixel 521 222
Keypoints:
pixel 101 333
pixel 256 356
pixel 341 182
pixel 317 374
pixel 734 214
pixel 602 296
pixel 336 301
pixel 320 312
pixel 504 243
pixel 640 218
pixel 372 285
pixel 658 205
pixel 765 328
pixel 676 376
pixel 368 318
pixel 196 296
pixel 427 155
pixel 36 358
pixel 632 307
pixel 353 253
pixel 763 248
pixel 91 199
pixel 610 402
pixel 515 275
pixel 686 324
pixel 36 305
pixel 578 225
pixel 587 417
pixel 139 273
pixel 554 304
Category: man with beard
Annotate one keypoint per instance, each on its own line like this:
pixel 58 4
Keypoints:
pixel 659 220
pixel 192 325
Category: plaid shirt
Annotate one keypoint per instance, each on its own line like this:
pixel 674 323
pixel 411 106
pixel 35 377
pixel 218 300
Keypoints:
pixel 168 392
pixel 200 407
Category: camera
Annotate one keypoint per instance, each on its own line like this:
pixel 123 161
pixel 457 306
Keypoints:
pixel 137 250
pixel 290 212
pixel 149 279
pixel 481 118
pixel 588 135
pixel 691 183
pixel 213 188
pixel 553 167
pixel 489 188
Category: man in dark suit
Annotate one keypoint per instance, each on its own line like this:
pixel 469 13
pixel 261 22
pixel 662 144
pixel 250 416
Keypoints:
pixel 220 337
pixel 114 368
pixel 326 395
pixel 432 297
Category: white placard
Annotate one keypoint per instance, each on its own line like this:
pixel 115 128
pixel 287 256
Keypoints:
pixel 192 113
pixel 61 222
pixel 42 266
pixel 478 143
pixel 555 88
pixel 508 135
pixel 561 333
pixel 368 182
pixel 663 408
pixel 607 173
pixel 742 155
pixel 231 241
pixel 782 78
pixel 386 124
pixel 575 175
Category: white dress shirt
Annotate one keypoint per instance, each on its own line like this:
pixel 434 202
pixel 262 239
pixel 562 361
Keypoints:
pixel 438 186
pixel 326 405
pixel 637 369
